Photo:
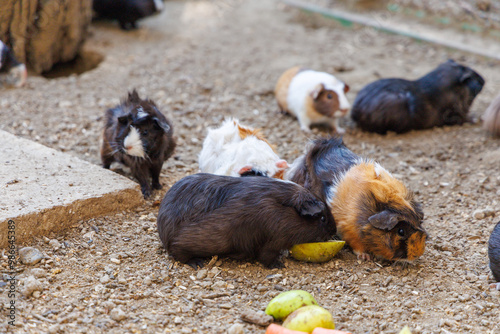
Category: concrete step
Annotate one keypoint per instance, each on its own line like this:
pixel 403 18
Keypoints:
pixel 43 190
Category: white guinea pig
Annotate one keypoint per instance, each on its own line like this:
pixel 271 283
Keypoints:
pixel 313 97
pixel 236 150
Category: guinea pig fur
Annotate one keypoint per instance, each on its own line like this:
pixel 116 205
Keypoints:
pixel 374 212
pixel 494 252
pixel 491 118
pixel 441 97
pixel 313 97
pixel 139 136
pixel 245 218
pixel 12 72
pixel 127 12
pixel 236 150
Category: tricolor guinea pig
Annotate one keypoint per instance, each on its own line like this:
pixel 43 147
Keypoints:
pixel 491 118
pixel 313 97
pixel 127 12
pixel 374 212
pixel 237 150
pixel 137 135
pixel 441 97
pixel 494 252
pixel 246 218
pixel 12 72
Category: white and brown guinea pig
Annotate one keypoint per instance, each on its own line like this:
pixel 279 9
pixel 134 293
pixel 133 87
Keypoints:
pixel 12 72
pixel 313 97
pixel 237 150
pixel 374 212
pixel 491 118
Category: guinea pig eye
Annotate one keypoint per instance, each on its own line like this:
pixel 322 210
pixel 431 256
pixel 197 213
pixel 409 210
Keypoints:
pixel 329 96
pixel 323 219
pixel 401 232
pixel 145 132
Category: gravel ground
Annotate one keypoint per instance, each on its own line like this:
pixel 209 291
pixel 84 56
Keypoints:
pixel 205 60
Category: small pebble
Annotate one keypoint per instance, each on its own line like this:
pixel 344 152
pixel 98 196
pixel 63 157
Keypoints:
pixel 147 280
pixel 104 279
pixel 201 274
pixel 117 314
pixel 236 329
pixel 256 317
pixel 54 244
pixel 31 284
pixel 177 320
pixel 30 255
pixel 38 272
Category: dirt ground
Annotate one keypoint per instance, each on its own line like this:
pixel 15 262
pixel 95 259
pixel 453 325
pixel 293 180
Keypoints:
pixel 202 61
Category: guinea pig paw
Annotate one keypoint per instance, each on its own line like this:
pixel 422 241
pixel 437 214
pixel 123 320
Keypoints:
pixel 340 131
pixel 364 256
pixel 157 185
pixel 196 263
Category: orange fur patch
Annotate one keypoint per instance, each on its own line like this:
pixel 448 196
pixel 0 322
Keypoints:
pixel 359 181
pixel 281 89
pixel 245 132
pixel 416 246
pixel 279 174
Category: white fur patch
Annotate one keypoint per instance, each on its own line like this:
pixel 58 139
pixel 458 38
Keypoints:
pixel 141 113
pixel 133 143
pixel 158 5
pixel 225 153
pixel 305 82
pixel 379 169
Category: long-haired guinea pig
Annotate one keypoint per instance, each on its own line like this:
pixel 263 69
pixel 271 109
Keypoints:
pixel 139 136
pixel 12 72
pixel 313 97
pixel 252 218
pixel 494 252
pixel 374 212
pixel 237 150
pixel 441 97
pixel 491 118
pixel 127 12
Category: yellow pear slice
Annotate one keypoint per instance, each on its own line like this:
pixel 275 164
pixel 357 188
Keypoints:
pixel 286 302
pixel 316 251
pixel 307 318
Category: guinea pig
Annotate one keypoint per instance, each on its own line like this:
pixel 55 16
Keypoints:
pixel 138 135
pixel 12 72
pixel 313 97
pixel 237 150
pixel 494 252
pixel 491 118
pixel 127 12
pixel 245 218
pixel 375 213
pixel 441 97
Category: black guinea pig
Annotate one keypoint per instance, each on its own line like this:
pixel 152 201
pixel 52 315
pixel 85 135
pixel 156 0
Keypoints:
pixel 127 12
pixel 12 72
pixel 441 97
pixel 494 252
pixel 252 218
pixel 139 136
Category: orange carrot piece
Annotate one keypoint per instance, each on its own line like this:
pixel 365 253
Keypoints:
pixel 277 329
pixel 319 330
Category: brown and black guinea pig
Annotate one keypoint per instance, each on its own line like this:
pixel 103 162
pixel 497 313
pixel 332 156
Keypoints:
pixel 375 213
pixel 441 97
pixel 491 118
pixel 137 135
pixel 245 218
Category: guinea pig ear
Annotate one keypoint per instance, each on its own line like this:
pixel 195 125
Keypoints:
pixel 133 96
pixel 310 208
pixel 466 75
pixel 384 220
pixel 282 164
pixel 163 125
pixel 346 88
pixel 317 90
pixel 244 169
